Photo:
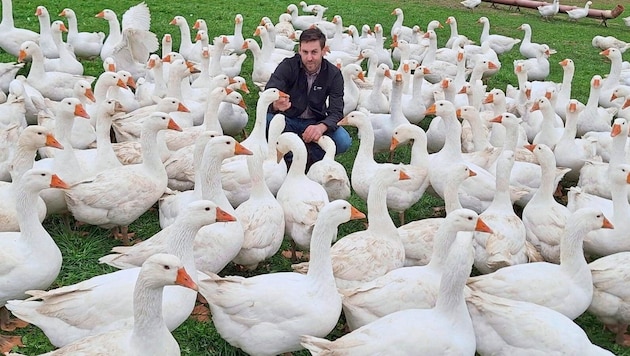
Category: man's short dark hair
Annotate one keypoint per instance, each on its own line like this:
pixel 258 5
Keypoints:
pixel 313 34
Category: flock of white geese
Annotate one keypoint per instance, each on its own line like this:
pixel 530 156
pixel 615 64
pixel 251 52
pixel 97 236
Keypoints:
pixel 403 290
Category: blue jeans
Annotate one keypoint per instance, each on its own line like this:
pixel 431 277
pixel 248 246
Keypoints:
pixel 342 138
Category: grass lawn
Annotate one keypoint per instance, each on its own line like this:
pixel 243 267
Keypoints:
pixel 569 39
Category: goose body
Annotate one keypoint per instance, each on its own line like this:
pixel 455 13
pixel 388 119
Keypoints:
pixel 85 44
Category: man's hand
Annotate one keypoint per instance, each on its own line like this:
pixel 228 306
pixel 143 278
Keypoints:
pixel 282 104
pixel 314 132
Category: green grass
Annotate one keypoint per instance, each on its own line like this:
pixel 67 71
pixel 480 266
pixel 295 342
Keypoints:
pixel 82 246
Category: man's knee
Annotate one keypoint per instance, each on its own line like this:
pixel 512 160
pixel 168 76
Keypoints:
pixel 342 139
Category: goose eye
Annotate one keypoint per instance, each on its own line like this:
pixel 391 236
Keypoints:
pixel 470 218
pixel 42 174
pixel 207 208
pixel 167 267
pixel 599 216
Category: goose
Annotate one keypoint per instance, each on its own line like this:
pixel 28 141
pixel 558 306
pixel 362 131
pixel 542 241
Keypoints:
pixel 301 198
pixel 311 9
pixel 572 152
pixel 373 99
pixel 262 218
pixel 437 67
pixel 105 302
pixel 128 203
pixel 499 43
pixel 215 246
pixel 568 287
pixel 188 49
pixel 13 36
pixel 538 67
pixel 39 254
pixel 383 124
pixel 67 61
pixel 412 104
pixel 415 286
pixel 53 85
pixel 471 4
pixel 262 69
pixel 131 45
pixel 283 38
pixel 351 91
pixel 402 194
pixel 564 94
pixel 64 163
pixel 612 80
pixel 101 158
pixel 180 233
pixel 527 48
pixel 284 27
pixel 600 243
pixel 379 243
pixel 404 32
pixel 452 22
pixel 609 302
pixel 8 72
pixel 302 22
pixel 233 117
pixel 128 126
pixel 521 327
pixel 220 63
pixel 235 40
pixel 548 135
pixel 30 139
pixel 580 12
pixel 594 117
pixel 447 327
pixel 170 205
pixel 606 42
pixel 234 173
pixel 267 314
pixel 594 175
pixel 475 193
pixel 149 333
pixel 548 11
pixel 544 218
pixel 329 173
pixel 507 244
pixel 46 43
pixel 84 44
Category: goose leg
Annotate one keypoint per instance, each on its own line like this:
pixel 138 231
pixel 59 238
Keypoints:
pixel 8 324
pixel 622 338
pixel 7 342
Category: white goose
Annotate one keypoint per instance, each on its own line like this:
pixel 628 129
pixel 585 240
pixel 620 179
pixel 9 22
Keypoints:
pixel 85 44
pixel 507 244
pixel 579 12
pixel 13 36
pixel 262 218
pixel 446 328
pixel 131 45
pixel 191 51
pixel 67 61
pixel 149 333
pixel 409 287
pixel 594 117
pixel 548 11
pixel 126 202
pixel 40 258
pixel 601 243
pixel 329 173
pixel 45 42
pixel 267 314
pixel 544 218
pixel 53 85
pixel 499 43
pixel 528 49
pixel 610 302
pixel 30 139
pixel 571 152
pixel 566 288
pixel 525 328
pixel 379 243
pixel 300 197
pixel 105 302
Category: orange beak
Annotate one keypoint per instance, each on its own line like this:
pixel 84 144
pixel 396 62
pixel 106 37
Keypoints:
pixel 223 216
pixel 80 111
pixel 56 182
pixel 52 142
pixel 184 279
pixel 173 125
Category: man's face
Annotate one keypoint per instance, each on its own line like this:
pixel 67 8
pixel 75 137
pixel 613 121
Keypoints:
pixel 311 53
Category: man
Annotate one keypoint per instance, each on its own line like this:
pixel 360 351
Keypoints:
pixel 315 102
